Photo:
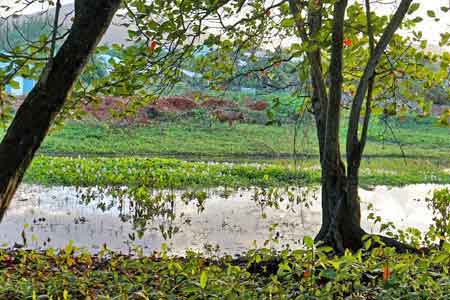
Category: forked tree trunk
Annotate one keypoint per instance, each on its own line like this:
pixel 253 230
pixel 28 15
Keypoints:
pixel 341 222
pixel 341 211
pixel 341 218
pixel 40 108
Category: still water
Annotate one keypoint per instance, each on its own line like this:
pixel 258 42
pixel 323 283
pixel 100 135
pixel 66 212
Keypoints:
pixel 51 217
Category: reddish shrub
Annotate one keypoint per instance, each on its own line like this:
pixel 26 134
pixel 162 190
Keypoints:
pixel 174 104
pixel 109 108
pixel 212 103
pixel 257 105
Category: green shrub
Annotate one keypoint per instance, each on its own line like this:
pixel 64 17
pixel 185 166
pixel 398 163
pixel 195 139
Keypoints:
pixel 439 204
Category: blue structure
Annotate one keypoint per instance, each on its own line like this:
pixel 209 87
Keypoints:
pixel 25 85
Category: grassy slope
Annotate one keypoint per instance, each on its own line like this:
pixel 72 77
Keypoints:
pixel 419 139
pixel 427 148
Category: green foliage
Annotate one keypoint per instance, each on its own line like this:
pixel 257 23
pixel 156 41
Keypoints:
pixel 159 173
pixel 172 173
pixel 6 111
pixel 426 148
pixel 440 206
pixel 306 273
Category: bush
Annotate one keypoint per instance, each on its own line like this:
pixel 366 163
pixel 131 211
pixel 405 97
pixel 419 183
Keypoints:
pixel 439 204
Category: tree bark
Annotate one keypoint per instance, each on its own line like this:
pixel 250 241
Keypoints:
pixel 40 108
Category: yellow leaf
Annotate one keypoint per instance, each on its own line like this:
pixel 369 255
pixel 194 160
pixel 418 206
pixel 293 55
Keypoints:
pixel 70 261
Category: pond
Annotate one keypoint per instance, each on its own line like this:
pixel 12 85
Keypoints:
pixel 225 222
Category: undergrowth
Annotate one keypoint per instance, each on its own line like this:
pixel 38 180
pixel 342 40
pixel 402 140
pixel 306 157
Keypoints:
pixel 307 273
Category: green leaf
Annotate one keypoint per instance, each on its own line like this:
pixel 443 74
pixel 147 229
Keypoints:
pixel 14 84
pixel 329 274
pixel 203 279
pixel 423 44
pixel 431 13
pixel 286 23
pixel 414 7
pixel 441 258
pixel 308 241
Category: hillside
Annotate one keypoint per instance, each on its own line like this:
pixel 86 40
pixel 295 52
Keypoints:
pixel 116 34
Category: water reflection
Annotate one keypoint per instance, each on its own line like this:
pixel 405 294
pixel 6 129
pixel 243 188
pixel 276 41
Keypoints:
pixel 233 220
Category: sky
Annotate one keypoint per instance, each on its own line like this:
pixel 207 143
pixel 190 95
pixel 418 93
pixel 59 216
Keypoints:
pixel 431 29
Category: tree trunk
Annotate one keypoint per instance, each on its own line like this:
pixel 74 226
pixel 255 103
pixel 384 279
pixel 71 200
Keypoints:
pixel 341 222
pixel 341 211
pixel 40 108
pixel 341 218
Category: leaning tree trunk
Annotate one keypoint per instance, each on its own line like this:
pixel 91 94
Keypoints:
pixel 40 108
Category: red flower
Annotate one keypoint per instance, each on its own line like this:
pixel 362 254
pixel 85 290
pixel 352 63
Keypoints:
pixel 348 42
pixel 153 45
pixel 386 273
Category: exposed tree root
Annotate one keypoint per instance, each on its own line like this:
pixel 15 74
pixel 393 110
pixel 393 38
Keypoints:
pixel 399 246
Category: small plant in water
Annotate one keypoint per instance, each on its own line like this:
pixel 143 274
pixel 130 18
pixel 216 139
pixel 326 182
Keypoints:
pixel 440 207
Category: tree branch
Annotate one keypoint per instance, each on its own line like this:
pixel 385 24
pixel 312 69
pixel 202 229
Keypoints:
pixel 368 109
pixel 353 144
pixel 331 146
pixel 320 98
pixel 49 65
pixel 314 56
